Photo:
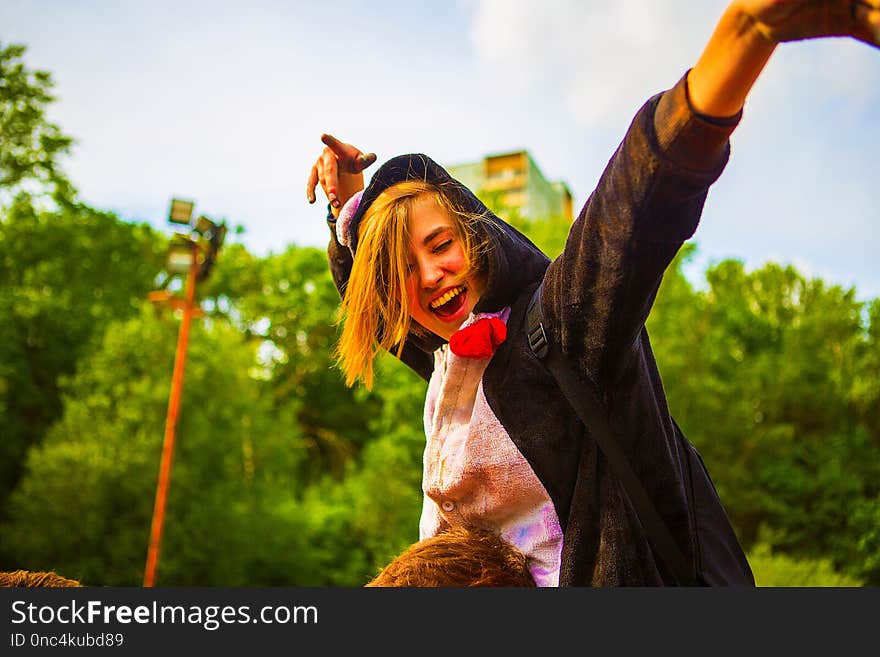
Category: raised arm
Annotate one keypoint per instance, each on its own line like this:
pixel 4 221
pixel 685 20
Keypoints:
pixel 649 199
pixel 748 33
pixel 339 170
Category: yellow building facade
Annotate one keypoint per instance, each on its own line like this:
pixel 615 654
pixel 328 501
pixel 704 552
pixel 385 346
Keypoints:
pixel 513 180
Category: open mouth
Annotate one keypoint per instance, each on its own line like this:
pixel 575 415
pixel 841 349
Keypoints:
pixel 450 302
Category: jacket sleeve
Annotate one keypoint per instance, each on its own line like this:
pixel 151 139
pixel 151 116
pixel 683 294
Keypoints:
pixel 599 291
pixel 340 260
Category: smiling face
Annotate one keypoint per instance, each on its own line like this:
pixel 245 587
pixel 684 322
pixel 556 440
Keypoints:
pixel 418 259
pixel 441 288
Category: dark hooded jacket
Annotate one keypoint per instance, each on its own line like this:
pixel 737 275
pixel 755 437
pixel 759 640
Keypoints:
pixel 596 297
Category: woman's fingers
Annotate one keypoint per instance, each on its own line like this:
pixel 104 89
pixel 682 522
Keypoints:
pixel 793 20
pixel 329 171
pixel 338 170
pixel 323 173
pixel 867 15
pixel 335 145
pixel 365 160
pixel 350 157
pixel 312 184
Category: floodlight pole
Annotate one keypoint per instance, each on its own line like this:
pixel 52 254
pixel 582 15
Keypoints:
pixel 171 422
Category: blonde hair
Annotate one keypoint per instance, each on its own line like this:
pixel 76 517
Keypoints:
pixel 375 312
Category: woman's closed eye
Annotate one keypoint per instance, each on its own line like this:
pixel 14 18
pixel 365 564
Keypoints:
pixel 440 248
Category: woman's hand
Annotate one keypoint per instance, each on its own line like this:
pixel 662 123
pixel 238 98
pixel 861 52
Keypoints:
pixel 339 170
pixel 749 31
pixel 792 20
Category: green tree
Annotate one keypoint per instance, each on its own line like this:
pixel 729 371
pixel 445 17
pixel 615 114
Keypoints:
pixel 85 503
pixel 64 276
pixel 356 524
pixel 288 303
pixel 770 375
pixel 30 146
pixel 781 570
pixel 238 511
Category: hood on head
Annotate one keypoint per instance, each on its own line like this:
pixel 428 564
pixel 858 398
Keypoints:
pixel 513 261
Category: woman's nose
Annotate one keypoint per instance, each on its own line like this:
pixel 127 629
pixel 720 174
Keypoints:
pixel 430 273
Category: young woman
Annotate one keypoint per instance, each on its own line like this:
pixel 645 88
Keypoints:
pixel 428 273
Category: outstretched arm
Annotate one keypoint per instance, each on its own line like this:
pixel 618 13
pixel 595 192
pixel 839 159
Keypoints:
pixel 599 292
pixel 748 33
pixel 339 171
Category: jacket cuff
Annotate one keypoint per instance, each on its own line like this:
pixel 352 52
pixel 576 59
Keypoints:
pixel 334 249
pixel 692 140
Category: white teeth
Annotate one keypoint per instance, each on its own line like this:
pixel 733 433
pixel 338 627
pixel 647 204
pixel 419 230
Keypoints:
pixel 439 301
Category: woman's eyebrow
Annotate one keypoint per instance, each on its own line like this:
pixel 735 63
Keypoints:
pixel 434 233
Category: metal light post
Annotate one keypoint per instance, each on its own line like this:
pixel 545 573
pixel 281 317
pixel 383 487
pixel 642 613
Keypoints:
pixel 194 257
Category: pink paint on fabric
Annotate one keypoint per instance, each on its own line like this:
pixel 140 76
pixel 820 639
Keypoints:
pixel 343 221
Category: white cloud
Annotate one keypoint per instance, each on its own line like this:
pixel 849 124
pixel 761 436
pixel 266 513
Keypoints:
pixel 799 181
pixel 604 56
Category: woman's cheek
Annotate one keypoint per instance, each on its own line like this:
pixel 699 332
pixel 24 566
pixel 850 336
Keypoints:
pixel 455 262
pixel 411 296
pixel 415 308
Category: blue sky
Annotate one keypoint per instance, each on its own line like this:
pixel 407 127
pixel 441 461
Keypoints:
pixel 224 103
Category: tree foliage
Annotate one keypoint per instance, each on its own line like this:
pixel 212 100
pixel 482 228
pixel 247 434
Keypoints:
pixel 777 570
pixel 64 276
pixel 86 502
pixel 773 377
pixel 30 146
pixel 65 273
pixel 288 303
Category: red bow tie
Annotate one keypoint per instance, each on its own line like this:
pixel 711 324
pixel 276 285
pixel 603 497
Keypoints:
pixel 480 339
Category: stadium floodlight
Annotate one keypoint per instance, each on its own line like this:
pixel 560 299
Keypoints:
pixel 181 211
pixel 205 227
pixel 181 254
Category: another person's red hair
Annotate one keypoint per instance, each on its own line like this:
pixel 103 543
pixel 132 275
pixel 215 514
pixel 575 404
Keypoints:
pixel 27 578
pixel 457 557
